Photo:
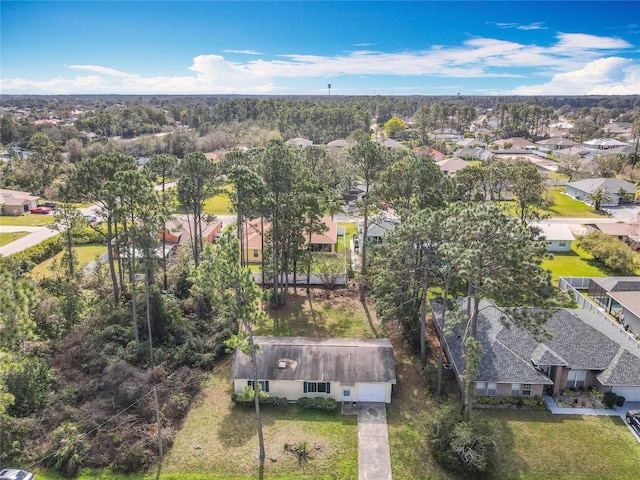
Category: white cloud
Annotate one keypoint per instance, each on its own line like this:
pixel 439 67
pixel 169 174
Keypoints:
pixel 605 76
pixel 244 52
pixel 518 26
pixel 101 70
pixel 573 65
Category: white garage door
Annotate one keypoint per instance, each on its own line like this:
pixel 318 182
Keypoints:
pixel 371 392
pixel 631 394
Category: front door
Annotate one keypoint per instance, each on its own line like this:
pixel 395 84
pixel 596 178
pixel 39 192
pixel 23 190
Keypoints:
pixel 346 394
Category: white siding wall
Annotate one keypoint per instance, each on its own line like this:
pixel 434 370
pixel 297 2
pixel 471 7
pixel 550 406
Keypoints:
pixel 554 246
pixel 293 390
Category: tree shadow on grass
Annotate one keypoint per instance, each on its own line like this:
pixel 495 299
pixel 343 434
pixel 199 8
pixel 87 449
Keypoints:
pixel 369 319
pixel 239 425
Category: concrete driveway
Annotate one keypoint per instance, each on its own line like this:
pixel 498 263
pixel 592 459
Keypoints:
pixel 622 411
pixel 374 459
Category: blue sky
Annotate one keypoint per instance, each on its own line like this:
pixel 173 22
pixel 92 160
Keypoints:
pixel 361 48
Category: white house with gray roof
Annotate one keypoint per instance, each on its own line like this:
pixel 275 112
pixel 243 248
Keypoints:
pixel 583 351
pixel 344 369
pixel 557 235
pixel 581 189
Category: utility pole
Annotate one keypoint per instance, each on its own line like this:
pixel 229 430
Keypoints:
pixel 329 87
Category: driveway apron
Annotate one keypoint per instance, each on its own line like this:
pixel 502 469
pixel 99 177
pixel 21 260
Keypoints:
pixel 374 460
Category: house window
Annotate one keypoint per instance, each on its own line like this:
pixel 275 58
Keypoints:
pixel 317 387
pixel 488 389
pixel 492 388
pixel 576 378
pixel 526 389
pixel 346 392
pixel 515 389
pixel 562 243
pixel 264 385
pixel 255 253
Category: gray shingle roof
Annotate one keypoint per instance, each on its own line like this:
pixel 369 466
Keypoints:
pixel 580 340
pixel 319 359
pixel 611 185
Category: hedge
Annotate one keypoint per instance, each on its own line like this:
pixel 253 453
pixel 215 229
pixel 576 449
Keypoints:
pixel 318 403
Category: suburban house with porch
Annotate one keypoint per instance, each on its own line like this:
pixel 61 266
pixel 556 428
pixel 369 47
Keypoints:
pixel 584 351
pixel 615 189
pixel 344 369
pixel 325 242
pixel 16 203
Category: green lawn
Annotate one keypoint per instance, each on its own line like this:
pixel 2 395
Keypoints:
pixel 351 229
pixel 6 238
pixel 576 263
pixel 565 206
pixel 86 254
pixel 29 220
pixel 537 445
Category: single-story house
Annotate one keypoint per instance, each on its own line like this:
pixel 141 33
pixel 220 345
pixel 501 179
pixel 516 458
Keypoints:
pixel 584 351
pixel 378 230
pixel 471 143
pixel 603 144
pixel 15 202
pixel 625 232
pixel 477 153
pixel 517 143
pixel 556 143
pixel 344 369
pixel 446 135
pixel 581 189
pixel 620 297
pixel 298 142
pixel 179 231
pixel 451 166
pixel 325 242
pixel 557 235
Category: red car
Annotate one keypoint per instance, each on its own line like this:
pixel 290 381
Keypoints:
pixel 43 210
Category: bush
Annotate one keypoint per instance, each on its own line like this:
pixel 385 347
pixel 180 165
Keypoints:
pixel 242 400
pixel 318 403
pixel 30 386
pixel 465 447
pixel 610 399
pixel 32 256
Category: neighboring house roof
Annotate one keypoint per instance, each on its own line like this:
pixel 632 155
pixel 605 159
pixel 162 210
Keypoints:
pixel 516 142
pixel 603 143
pixel 381 227
pixel 611 185
pixel 298 142
pixel 452 165
pixel 557 142
pixel 580 339
pixel 618 284
pixel 15 197
pixel 319 359
pixel 338 143
pixel 390 143
pixel 554 231
pixel 616 229
pixel 471 142
pixel 253 229
pixel 178 226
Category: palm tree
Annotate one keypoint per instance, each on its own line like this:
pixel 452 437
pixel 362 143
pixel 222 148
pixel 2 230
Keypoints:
pixel 598 197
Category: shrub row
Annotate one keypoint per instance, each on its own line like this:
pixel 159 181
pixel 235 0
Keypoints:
pixel 318 403
pixel 32 256
pixel 531 402
pixel 241 399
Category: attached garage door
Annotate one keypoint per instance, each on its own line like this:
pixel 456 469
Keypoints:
pixel 631 394
pixel 371 392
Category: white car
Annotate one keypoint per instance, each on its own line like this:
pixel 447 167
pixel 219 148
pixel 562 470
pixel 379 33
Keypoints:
pixel 14 474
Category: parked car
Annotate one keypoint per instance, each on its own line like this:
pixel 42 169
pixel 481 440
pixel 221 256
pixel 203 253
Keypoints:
pixel 14 474
pixel 51 205
pixel 91 217
pixel 43 210
pixel 633 419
